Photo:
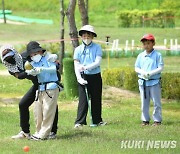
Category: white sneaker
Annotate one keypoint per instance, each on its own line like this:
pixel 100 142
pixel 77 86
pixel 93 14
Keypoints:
pixel 102 123
pixel 21 135
pixel 77 126
pixel 51 135
pixel 35 137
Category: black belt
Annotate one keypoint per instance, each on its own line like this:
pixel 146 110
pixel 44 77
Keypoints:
pixel 144 85
pixel 45 83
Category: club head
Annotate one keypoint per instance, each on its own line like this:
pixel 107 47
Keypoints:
pixel 28 66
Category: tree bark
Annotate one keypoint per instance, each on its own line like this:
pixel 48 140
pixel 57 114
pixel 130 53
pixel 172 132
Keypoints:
pixel 83 11
pixel 62 45
pixel 3 9
pixel 87 7
pixel 72 24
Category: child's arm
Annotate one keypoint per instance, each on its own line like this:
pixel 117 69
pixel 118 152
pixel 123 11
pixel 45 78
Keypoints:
pixel 95 64
pixel 51 57
pixel 159 68
pixel 156 71
pixel 50 69
pixel 140 71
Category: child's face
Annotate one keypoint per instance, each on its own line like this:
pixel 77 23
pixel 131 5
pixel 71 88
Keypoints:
pixel 36 53
pixel 148 45
pixel 87 35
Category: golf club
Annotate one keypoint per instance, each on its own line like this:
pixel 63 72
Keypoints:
pixel 28 66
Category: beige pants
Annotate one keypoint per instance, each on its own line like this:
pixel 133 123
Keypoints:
pixel 44 112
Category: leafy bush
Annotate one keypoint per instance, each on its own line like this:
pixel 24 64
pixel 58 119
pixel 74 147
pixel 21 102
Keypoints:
pixel 70 82
pixel 124 77
pixel 130 80
pixel 150 18
pixel 171 85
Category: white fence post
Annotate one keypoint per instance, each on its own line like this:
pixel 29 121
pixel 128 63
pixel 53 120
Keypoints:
pixel 113 45
pixel 126 48
pixel 132 43
pixel 165 44
pixel 117 44
pixel 171 44
pixel 176 44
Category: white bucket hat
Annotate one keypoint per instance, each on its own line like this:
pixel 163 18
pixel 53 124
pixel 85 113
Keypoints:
pixel 4 47
pixel 87 28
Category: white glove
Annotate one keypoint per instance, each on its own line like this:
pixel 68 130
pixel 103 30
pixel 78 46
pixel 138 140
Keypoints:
pixel 145 75
pixel 38 70
pixel 82 81
pixel 32 72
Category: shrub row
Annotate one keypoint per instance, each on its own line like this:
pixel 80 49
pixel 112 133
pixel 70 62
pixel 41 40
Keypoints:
pixel 70 82
pixel 150 18
pixel 126 78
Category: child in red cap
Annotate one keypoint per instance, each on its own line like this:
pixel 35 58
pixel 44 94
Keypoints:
pixel 149 65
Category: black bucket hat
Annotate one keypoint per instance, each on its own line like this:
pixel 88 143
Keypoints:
pixel 33 47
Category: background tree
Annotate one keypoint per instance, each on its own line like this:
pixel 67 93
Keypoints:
pixel 83 9
pixel 62 45
pixel 3 9
pixel 72 24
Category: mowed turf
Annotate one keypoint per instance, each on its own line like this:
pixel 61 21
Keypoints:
pixel 121 109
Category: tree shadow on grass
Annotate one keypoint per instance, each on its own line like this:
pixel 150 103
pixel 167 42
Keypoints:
pixel 73 134
pixel 9 101
pixel 171 122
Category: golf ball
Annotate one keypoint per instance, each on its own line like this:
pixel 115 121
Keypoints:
pixel 26 148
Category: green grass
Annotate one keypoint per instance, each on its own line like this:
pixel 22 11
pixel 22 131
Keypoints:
pixel 121 112
pixel 22 34
pixel 122 115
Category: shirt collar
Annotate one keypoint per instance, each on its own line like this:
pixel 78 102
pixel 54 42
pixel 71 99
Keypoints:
pixel 87 46
pixel 148 55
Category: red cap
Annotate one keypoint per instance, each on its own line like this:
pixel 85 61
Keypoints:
pixel 149 37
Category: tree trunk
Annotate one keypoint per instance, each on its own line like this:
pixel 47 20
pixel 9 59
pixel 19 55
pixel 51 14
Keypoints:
pixel 3 9
pixel 83 11
pixel 72 24
pixel 87 7
pixel 61 54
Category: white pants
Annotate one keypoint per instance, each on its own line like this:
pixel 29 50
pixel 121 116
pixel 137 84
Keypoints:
pixel 154 93
pixel 44 112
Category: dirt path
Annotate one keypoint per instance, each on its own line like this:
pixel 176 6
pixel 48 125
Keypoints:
pixel 12 22
pixel 4 72
pixel 108 93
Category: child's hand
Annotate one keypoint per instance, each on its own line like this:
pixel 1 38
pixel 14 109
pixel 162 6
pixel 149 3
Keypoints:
pixel 32 72
pixel 38 70
pixel 82 81
pixel 145 75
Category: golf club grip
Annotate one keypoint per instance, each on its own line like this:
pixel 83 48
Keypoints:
pixel 83 75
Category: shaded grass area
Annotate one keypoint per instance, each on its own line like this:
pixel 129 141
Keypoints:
pixel 123 117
